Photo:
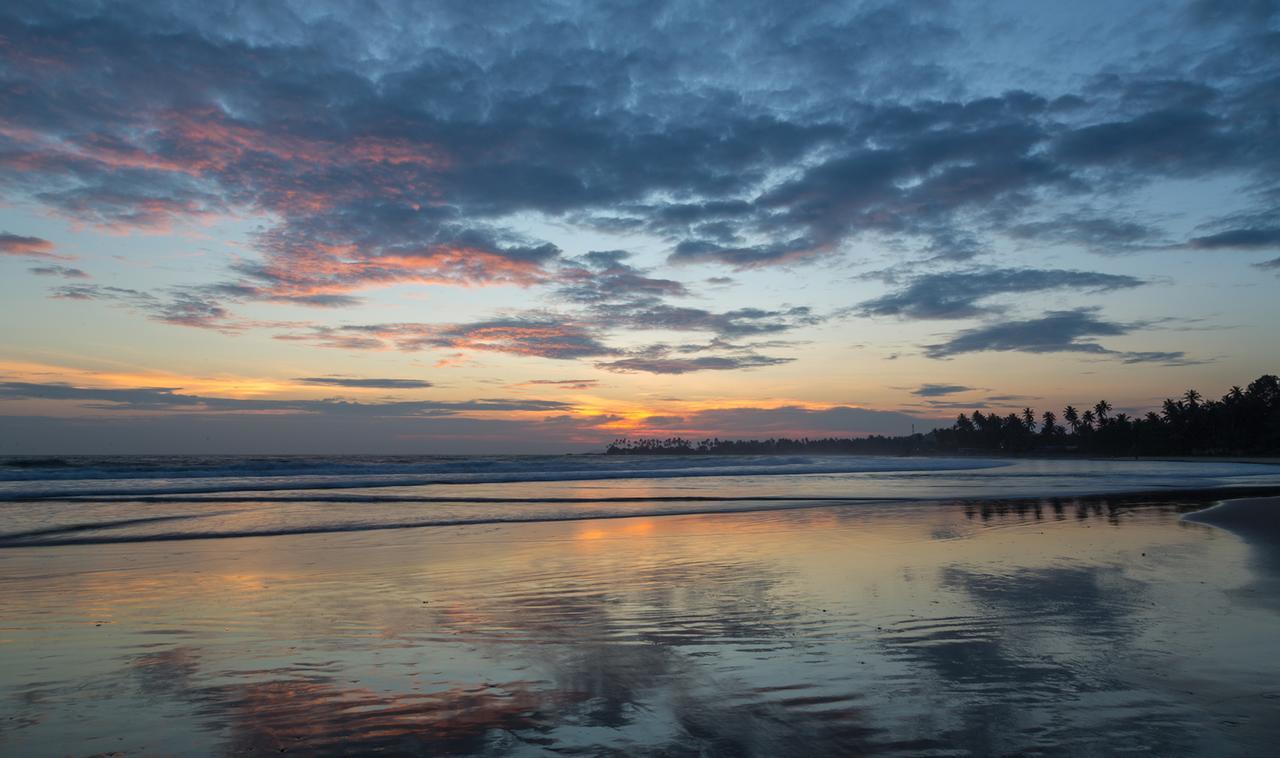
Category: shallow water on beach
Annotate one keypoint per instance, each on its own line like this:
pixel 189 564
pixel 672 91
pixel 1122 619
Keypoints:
pixel 93 500
pixel 1063 626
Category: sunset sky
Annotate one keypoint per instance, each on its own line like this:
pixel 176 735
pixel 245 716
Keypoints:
pixel 534 227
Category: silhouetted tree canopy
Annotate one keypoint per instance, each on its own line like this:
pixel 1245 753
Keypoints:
pixel 1244 421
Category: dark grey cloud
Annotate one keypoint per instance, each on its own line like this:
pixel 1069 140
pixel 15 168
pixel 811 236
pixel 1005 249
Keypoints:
pixel 1272 264
pixel 1072 331
pixel 1175 141
pixel 603 289
pixel 534 335
pixel 682 365
pixel 954 245
pixel 718 354
pixel 364 383
pixel 1245 12
pixel 949 404
pixel 603 277
pixel 618 296
pixel 1164 358
pixel 901 170
pixel 964 294
pixel 566 384
pixel 1239 239
pixel 169 398
pixel 939 390
pixel 741 257
pixel 740 322
pixel 180 306
pixel 1055 332
pixel 919 174
pixel 1090 229
pixel 66 272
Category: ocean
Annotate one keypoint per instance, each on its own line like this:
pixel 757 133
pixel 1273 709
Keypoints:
pixel 593 605
pixel 98 499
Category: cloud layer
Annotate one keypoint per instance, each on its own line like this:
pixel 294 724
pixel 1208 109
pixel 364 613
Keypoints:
pixel 610 165
pixel 1072 331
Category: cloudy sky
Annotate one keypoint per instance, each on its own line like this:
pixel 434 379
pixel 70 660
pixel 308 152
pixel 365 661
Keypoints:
pixel 537 226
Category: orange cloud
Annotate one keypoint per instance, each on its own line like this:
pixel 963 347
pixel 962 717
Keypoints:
pixel 31 247
pixel 324 269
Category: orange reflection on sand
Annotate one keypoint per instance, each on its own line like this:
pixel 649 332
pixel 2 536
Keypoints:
pixel 600 530
pixel 321 717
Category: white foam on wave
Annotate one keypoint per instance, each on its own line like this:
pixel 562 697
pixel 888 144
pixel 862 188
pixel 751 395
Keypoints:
pixel 88 511
pixel 154 480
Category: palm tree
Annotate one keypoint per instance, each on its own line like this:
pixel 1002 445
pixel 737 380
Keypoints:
pixel 1086 421
pixel 1103 408
pixel 1050 424
pixel 1192 397
pixel 1072 417
pixel 1029 418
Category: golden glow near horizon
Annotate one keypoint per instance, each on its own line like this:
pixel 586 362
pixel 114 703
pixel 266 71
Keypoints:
pixel 592 411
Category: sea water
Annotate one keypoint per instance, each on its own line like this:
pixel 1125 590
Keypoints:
pixel 101 499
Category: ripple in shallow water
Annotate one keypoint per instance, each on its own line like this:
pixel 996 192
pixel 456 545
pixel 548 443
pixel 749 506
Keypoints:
pixel 1023 627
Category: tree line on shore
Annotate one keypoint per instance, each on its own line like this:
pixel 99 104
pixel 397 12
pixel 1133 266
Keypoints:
pixel 1244 421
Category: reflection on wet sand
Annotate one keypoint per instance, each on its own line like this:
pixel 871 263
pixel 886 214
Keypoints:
pixel 315 715
pixel 1026 627
pixel 1257 520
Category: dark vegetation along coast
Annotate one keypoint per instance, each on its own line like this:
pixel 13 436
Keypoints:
pixel 1244 422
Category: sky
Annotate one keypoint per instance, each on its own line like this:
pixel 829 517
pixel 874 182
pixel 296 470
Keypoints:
pixel 401 227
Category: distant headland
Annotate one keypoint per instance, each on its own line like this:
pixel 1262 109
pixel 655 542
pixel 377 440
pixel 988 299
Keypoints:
pixel 1245 422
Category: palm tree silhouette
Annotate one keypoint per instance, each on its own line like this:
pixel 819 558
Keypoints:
pixel 1072 417
pixel 1243 421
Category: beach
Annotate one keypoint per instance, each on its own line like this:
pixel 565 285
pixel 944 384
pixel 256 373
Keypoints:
pixel 950 626
pixel 631 379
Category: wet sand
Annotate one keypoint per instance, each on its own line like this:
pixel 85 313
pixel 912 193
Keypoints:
pixel 1033 627
pixel 1256 519
pixel 1261 460
pixel 1257 522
